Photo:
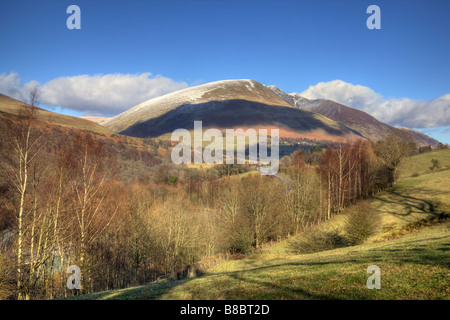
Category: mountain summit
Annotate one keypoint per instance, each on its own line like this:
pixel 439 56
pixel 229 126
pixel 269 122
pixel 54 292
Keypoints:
pixel 226 104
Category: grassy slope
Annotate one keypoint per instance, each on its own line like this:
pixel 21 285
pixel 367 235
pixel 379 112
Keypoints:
pixel 413 266
pixel 413 198
pixel 12 106
pixel 421 162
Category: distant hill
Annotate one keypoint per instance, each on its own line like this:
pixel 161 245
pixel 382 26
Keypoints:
pixel 232 104
pixel 226 104
pixel 98 120
pixel 12 106
pixel 137 158
pixel 355 119
pixel 421 138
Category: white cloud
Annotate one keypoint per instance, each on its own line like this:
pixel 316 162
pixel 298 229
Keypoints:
pixel 346 93
pixel 102 95
pixel 111 94
pixel 404 112
pixel 11 85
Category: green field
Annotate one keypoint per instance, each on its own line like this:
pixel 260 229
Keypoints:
pixel 414 259
pixel 419 164
pixel 414 267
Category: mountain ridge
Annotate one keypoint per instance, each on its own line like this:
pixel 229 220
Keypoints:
pixel 358 120
pixel 226 104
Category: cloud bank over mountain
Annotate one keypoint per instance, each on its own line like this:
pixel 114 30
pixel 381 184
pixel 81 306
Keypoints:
pixel 398 112
pixel 96 95
pixel 111 94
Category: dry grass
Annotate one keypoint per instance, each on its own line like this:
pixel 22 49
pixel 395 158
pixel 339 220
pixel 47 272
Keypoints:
pixel 12 106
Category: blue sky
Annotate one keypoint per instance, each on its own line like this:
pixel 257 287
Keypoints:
pixel 292 44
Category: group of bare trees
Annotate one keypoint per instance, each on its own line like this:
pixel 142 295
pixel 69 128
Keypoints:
pixel 303 196
pixel 61 204
pixel 54 201
pixel 355 170
pixel 347 173
pixel 22 172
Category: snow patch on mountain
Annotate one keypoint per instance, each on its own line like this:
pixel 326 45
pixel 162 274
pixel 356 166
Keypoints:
pixel 195 97
pixel 192 95
pixel 294 99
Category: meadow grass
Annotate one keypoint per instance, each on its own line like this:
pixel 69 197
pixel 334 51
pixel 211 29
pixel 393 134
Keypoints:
pixel 415 264
pixel 421 162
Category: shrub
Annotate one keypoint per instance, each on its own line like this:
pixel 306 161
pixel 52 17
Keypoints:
pixel 316 240
pixel 172 180
pixel 360 225
pixel 242 240
pixel 6 276
pixel 435 165
pixel 426 222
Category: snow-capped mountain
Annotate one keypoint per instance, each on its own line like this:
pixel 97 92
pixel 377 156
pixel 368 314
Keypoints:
pixel 226 104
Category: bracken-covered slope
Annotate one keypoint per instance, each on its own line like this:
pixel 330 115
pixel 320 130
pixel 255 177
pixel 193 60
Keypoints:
pixel 365 124
pixel 358 120
pixel 226 104
pixel 12 106
pixel 420 138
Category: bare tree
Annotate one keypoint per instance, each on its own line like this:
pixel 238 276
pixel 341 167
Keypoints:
pixel 259 206
pixel 23 144
pixel 326 171
pixel 393 149
pixel 90 190
pixel 301 198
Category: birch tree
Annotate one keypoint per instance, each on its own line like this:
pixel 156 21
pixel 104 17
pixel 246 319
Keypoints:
pixel 20 150
pixel 90 190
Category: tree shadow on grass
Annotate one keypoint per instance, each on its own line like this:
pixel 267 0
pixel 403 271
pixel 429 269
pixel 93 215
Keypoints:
pixel 409 203
pixel 151 291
